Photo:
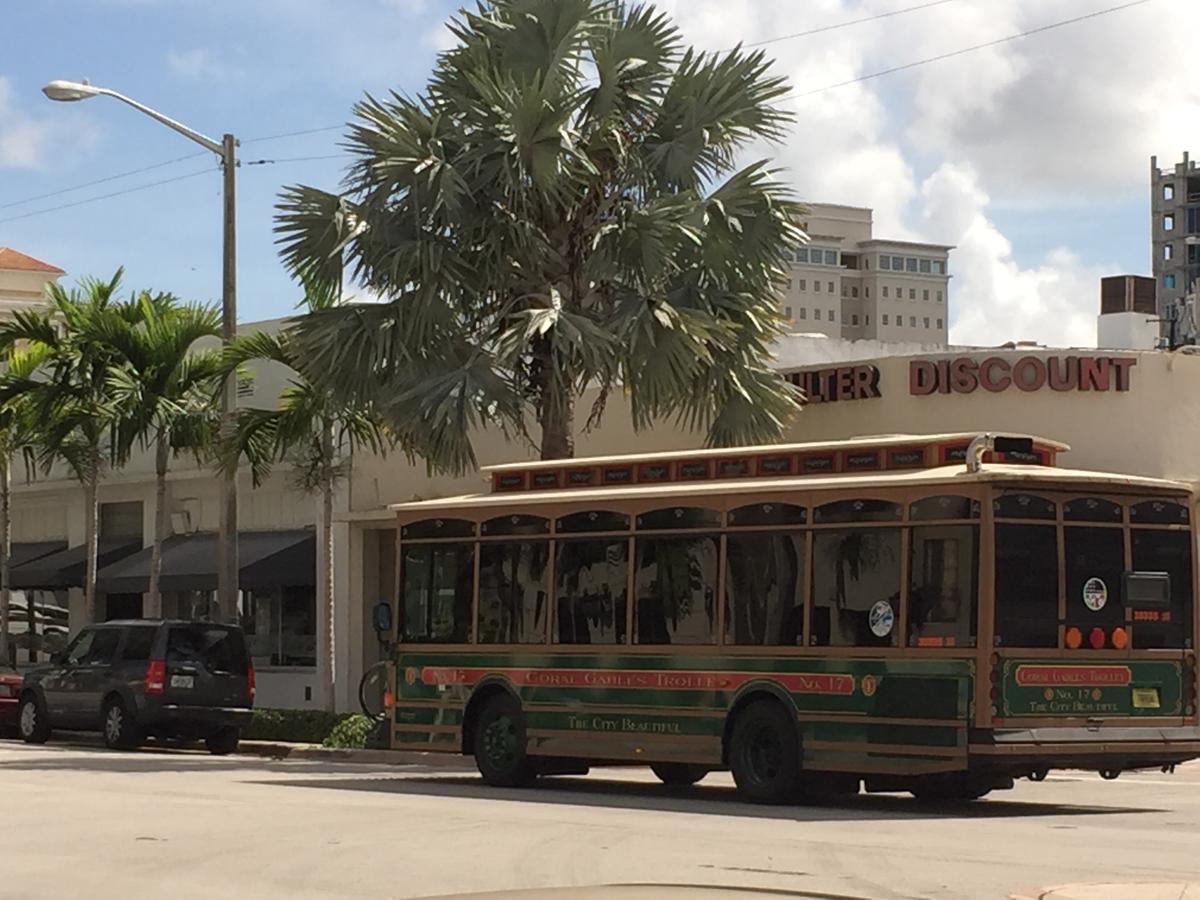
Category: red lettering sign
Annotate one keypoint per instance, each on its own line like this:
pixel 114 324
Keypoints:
pixel 1073 676
pixel 964 375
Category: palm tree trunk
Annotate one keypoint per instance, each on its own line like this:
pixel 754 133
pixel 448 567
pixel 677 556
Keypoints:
pixel 556 414
pixel 5 555
pixel 326 598
pixel 91 493
pixel 162 452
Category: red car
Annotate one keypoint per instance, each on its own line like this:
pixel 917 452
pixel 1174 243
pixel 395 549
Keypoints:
pixel 10 688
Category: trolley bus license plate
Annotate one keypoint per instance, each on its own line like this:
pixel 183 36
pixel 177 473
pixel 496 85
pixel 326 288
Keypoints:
pixel 189 681
pixel 1145 698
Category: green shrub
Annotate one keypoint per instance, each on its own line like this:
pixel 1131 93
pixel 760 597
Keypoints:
pixel 299 726
pixel 354 732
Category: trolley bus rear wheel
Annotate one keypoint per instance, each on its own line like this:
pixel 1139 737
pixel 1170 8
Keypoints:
pixel 678 774
pixel 764 753
pixel 500 744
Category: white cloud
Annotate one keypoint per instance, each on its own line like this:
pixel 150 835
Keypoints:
pixel 199 63
pixel 22 138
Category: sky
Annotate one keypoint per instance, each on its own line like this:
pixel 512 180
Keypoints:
pixel 1031 157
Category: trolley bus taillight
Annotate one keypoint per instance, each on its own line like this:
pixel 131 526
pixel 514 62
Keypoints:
pixel 1073 638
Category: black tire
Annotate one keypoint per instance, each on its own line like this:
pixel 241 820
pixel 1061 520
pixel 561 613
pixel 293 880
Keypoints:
pixel 764 753
pixel 32 722
pixel 828 787
pixel 121 732
pixel 224 741
pixel 500 743
pixel 679 774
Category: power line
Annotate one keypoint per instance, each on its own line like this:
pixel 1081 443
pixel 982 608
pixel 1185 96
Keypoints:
pixel 140 187
pixel 836 26
pixel 288 134
pixel 965 50
pixel 105 180
pixel 288 159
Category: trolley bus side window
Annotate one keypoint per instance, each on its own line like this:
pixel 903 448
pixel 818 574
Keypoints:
pixel 764 593
pixel 1026 585
pixel 437 584
pixel 1160 550
pixel 943 572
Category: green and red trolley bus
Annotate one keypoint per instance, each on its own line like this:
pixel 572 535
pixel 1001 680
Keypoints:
pixel 932 614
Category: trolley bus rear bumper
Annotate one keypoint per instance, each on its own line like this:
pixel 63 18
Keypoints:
pixel 1107 748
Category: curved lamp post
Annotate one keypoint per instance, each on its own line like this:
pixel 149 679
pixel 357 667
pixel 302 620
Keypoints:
pixel 227 563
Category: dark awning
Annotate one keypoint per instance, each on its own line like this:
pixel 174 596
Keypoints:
pixel 67 568
pixel 266 559
pixel 27 551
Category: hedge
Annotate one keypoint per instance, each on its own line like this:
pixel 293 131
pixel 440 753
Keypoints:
pixel 314 726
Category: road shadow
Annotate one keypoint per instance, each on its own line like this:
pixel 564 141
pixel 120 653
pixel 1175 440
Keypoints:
pixel 700 799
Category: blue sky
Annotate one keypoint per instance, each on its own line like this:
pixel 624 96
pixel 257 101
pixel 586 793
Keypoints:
pixel 1031 157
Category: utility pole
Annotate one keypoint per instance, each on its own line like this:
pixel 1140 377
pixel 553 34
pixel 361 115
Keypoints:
pixel 227 551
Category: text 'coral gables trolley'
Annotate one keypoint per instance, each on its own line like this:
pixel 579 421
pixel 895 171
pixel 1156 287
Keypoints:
pixel 934 614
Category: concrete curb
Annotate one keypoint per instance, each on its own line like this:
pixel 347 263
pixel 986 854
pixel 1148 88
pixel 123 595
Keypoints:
pixel 283 750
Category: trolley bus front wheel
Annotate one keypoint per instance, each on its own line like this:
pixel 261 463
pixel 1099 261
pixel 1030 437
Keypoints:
pixel 500 744
pixel 764 753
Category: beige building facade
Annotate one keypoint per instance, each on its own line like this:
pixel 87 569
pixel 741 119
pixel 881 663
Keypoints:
pixel 846 283
pixel 23 280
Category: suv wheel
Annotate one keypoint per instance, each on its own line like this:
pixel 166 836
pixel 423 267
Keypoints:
pixel 223 742
pixel 120 730
pixel 32 721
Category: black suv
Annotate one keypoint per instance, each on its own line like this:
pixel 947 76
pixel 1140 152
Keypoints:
pixel 137 679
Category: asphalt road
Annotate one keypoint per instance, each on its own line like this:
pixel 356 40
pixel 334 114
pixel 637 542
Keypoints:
pixel 77 821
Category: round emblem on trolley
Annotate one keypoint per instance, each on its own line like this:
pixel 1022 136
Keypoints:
pixel 881 619
pixel 869 684
pixel 1048 693
pixel 1097 693
pixel 410 675
pixel 1095 594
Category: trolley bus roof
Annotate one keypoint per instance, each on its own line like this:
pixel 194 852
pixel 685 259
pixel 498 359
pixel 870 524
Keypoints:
pixel 993 473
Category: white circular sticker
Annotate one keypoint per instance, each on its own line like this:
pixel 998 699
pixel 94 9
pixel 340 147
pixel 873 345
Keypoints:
pixel 882 619
pixel 1095 594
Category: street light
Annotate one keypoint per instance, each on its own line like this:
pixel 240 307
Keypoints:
pixel 227 562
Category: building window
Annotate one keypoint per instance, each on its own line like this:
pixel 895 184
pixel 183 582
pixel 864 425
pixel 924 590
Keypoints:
pixel 885 292
pixel 803 284
pixel 816 287
pixel 831 258
pixel 926 266
pixel 1169 282
pixel 912 293
pixel 925 296
pixel 831 287
pixel 831 318
pixel 939 296
pixel 926 321
pixel 1168 251
pixel 803 313
pixel 885 319
pixel 939 267
pixel 845 290
pixel 845 318
pixel 853 292
pixel 122 520
pixel 897 263
pixel 787 311
pixel 885 262
pixel 801 256
pixel 280 626
pixel 854 319
pixel 1168 191
pixel 939 324
pixel 868 320
pixel 867 292
pixel 912 321
pixel 1169 222
pixel 910 264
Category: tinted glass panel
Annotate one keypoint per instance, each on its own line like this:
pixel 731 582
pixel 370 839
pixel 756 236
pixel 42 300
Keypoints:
pixel 1092 509
pixel 1024 506
pixel 1095 559
pixel 1170 552
pixel 513 590
pixel 591 584
pixel 597 520
pixel 1159 512
pixel 1026 586
pixel 78 649
pixel 104 647
pixel 769 514
pixel 945 507
pixel 438 528
pixel 856 587
pixel 437 584
pixel 676 584
pixel 858 511
pixel 943 570
pixel 679 517
pixel 214 648
pixel 764 598
pixel 138 644
pixel 514 525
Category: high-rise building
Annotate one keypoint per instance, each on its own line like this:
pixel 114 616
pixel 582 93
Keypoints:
pixel 846 283
pixel 1175 232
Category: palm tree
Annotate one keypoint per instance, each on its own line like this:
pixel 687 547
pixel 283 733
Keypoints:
pixel 559 211
pixel 310 429
pixel 68 392
pixel 165 394
pixel 18 437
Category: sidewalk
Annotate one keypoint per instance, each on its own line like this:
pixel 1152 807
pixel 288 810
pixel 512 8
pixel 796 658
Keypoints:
pixel 1137 890
pixel 283 750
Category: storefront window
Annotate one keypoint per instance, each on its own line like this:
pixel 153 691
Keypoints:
pixel 856 587
pixel 281 626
